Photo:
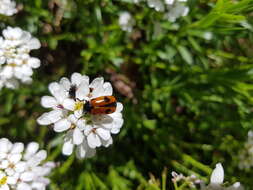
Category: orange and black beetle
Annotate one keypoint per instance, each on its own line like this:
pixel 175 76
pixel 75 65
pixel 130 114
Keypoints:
pixel 101 105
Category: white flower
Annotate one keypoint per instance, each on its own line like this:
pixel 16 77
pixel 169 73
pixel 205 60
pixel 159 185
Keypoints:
pixel 175 9
pixel 177 177
pixel 16 65
pixel 216 181
pixel 171 10
pixel 83 130
pixel 158 5
pixel 21 168
pixel 191 180
pixel 84 151
pixel 236 186
pixel 169 2
pixel 208 35
pixel 217 176
pixel 246 153
pixel 126 21
pixel 7 7
pixel 54 102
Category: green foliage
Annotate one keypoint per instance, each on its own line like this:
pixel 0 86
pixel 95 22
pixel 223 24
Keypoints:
pixel 192 104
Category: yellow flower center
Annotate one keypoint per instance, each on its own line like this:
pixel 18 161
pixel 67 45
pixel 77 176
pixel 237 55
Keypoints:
pixel 3 180
pixel 12 64
pixel 78 106
pixel 11 165
pixel 72 126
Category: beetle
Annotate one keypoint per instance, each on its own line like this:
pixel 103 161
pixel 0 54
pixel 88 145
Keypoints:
pixel 101 105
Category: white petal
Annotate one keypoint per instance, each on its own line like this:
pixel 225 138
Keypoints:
pixel 3 155
pixel 97 86
pixel 7 72
pixel 117 115
pixel 50 117
pixel 67 148
pixel 5 187
pixel 103 133
pixel 81 124
pixel 43 119
pixel 12 180
pixel 78 113
pixel 93 140
pixel 68 145
pixel 33 62
pixel 32 148
pixel 83 150
pixel 55 115
pixel 85 79
pixel 24 186
pixel 50 164
pixel 236 186
pixel 17 148
pixel 9 171
pixel 69 104
pixel 87 130
pixel 72 118
pixel 12 83
pixel 41 155
pixel 54 87
pixel 2 174
pixel 169 2
pixel 34 43
pixel 65 83
pixel 77 136
pixel 27 176
pixel 217 176
pixel 4 164
pixel 26 70
pixel 97 82
pixel 14 158
pixel 115 130
pixel 5 145
pixel 107 89
pixel 48 102
pixel 76 78
pixel 82 91
pixel 117 124
pixel 119 107
pixel 107 143
pixel 62 125
pixel 38 186
pixel 105 120
pixel 20 167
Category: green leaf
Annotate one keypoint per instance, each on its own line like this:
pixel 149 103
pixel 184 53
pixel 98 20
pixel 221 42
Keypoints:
pixel 186 55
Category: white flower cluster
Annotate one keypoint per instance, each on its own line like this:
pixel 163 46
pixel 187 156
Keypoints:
pixel 216 180
pixel 7 7
pixel 84 130
pixel 21 168
pixel 172 9
pixel 246 154
pixel 190 180
pixel 126 21
pixel 175 9
pixel 15 62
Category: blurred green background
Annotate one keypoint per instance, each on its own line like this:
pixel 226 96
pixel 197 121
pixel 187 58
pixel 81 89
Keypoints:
pixel 187 99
